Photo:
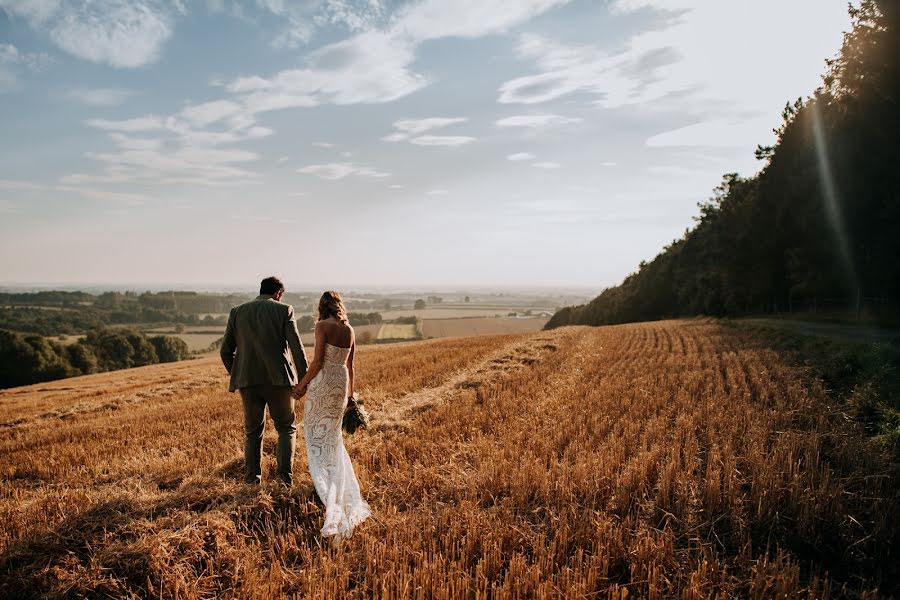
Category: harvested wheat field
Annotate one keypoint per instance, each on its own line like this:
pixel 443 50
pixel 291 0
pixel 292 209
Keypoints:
pixel 668 459
pixel 437 328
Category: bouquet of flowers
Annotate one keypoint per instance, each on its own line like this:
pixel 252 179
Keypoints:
pixel 355 416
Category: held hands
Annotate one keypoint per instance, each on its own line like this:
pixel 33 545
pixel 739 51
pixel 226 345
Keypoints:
pixel 299 391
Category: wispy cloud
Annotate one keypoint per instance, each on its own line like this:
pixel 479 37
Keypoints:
pixel 533 121
pixel 438 192
pixel 301 19
pixel 724 132
pixel 546 165
pixel 163 150
pixel 375 65
pixel 120 33
pixel 520 156
pixel 206 113
pixel 368 68
pixel 335 171
pixel 410 130
pixel 691 63
pixel 442 140
pixel 101 96
pixel 435 19
pixel 147 123
pixel 12 62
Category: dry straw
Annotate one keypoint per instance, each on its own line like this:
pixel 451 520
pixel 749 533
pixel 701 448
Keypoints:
pixel 660 460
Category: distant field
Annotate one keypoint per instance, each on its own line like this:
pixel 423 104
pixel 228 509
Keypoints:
pixel 436 328
pixel 454 312
pixel 398 331
pixel 198 341
pixel 64 339
pixel 309 338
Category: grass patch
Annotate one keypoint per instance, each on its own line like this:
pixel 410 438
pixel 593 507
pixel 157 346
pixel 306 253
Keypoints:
pixel 862 377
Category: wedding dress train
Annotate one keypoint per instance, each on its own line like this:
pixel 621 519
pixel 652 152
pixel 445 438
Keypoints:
pixel 329 464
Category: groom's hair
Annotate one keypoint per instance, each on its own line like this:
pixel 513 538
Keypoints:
pixel 270 286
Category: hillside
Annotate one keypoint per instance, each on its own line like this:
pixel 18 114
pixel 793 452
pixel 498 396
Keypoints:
pixel 673 458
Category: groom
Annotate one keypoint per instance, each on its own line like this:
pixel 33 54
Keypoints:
pixel 263 354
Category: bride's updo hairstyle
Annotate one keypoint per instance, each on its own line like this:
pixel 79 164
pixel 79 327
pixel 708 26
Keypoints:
pixel 332 305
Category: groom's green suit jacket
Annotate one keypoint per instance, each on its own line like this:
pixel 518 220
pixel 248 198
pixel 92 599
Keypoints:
pixel 262 346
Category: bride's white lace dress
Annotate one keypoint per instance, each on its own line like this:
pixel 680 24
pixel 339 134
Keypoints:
pixel 329 463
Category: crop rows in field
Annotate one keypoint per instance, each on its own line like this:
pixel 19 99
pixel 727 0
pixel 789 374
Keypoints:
pixel 658 460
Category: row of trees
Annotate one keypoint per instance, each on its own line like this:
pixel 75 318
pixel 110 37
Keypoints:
pixel 26 359
pixel 42 321
pixel 816 228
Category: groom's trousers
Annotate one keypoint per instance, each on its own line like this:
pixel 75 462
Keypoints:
pixel 281 409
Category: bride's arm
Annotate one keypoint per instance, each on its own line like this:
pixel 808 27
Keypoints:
pixel 350 363
pixel 316 365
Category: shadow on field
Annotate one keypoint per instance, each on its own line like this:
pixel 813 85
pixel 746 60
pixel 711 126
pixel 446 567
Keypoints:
pixel 193 535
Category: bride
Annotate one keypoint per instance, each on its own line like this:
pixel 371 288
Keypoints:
pixel 330 381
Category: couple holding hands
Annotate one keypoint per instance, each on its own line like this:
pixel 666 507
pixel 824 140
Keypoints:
pixel 263 355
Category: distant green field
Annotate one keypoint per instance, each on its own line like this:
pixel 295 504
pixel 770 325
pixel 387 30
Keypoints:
pixel 398 331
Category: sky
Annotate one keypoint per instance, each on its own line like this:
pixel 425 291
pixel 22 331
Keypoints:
pixel 381 142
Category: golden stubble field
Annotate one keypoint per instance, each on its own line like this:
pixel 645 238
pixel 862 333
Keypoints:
pixel 668 459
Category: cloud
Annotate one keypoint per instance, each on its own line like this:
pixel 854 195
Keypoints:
pixel 12 61
pixel 355 16
pixel 687 61
pixel 148 123
pixel 375 65
pixel 101 96
pixel 724 132
pixel 546 165
pixel 335 171
pixel 135 143
pixel 120 33
pixel 518 156
pixel 209 112
pixel 434 19
pixel 564 70
pixel 409 130
pixel 416 126
pixel 177 149
pixel 368 68
pixel 442 140
pixel 536 121
pixel 438 192
pixel 302 18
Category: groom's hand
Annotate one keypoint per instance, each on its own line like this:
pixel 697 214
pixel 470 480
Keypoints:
pixel 299 391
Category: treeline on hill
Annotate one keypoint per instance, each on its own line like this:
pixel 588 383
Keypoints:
pixel 26 359
pixel 57 312
pixel 816 230
pixel 53 313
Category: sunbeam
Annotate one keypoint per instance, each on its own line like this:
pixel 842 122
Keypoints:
pixel 830 196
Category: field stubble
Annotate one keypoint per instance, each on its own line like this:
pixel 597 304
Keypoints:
pixel 657 460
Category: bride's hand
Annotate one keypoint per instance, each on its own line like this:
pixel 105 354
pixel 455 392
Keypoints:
pixel 298 392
